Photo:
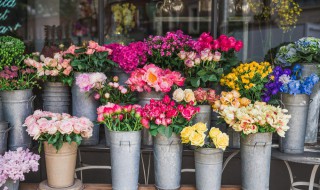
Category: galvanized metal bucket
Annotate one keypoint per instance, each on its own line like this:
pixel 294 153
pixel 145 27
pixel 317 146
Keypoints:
pixel 204 116
pixel 84 104
pixel 255 161
pixel 11 185
pixel 167 162
pixel 4 130
pixel 107 135
pixel 144 98
pixel 314 107
pixel 297 106
pixel 208 164
pixel 56 97
pixel 123 76
pixel 17 106
pixel 234 138
pixel 125 159
pixel 1 111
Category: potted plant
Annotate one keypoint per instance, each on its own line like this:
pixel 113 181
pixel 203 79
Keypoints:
pixel 256 123
pixel 124 123
pixel 202 98
pixel 165 119
pixel 84 60
pixel 61 134
pixel 14 164
pixel 306 52
pixel 16 82
pixel 56 73
pixel 208 154
pixel 152 82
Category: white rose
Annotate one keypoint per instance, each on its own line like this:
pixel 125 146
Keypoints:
pixel 178 95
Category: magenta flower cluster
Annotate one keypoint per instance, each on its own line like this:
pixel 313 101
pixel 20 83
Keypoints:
pixel 9 72
pixel 129 57
pixel 14 164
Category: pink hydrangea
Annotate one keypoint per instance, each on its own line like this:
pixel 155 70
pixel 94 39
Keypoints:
pixel 86 81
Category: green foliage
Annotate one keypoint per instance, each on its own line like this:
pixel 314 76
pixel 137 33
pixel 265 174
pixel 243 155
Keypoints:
pixel 11 51
pixel 58 139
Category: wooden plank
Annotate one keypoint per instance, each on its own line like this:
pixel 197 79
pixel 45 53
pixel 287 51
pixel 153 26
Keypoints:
pixel 33 186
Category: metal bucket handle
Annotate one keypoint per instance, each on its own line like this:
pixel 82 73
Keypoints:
pixel 125 143
pixel 7 130
pixel 172 141
pixel 31 99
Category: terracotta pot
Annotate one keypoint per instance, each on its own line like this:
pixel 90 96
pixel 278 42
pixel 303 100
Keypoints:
pixel 61 165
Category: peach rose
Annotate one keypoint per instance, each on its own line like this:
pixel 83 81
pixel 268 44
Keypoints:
pixel 189 95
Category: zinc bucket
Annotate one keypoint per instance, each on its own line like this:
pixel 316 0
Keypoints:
pixel 123 76
pixel 208 165
pixel 167 154
pixel 297 106
pixel 4 130
pixel 17 106
pixel 255 161
pixel 144 98
pixel 84 105
pixel 125 159
pixel 56 97
pixel 11 185
pixel 204 116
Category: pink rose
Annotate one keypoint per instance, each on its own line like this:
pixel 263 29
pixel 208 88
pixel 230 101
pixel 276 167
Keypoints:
pixel 54 72
pixel 100 118
pixel 232 41
pixel 124 91
pixel 78 128
pixel 145 123
pixel 238 46
pixel 66 127
pixel 187 114
pixel 165 84
pixel 216 56
pixel 215 45
pixel 96 96
pixel 93 44
pixel 71 50
pixel 100 110
pixel 30 120
pixel 200 95
pixel 90 51
pixel 109 51
pixel 67 72
pixel 54 128
pixel 87 132
pixel 191 55
pixel 34 131
pixel 182 55
pixel 65 63
pixel 189 63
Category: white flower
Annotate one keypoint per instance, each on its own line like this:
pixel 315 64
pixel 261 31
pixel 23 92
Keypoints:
pixel 284 79
pixel 178 95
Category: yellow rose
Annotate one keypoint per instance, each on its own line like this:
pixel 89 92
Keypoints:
pixel 200 127
pixel 245 101
pixel 178 95
pixel 185 140
pixel 189 95
pixel 221 141
pixel 235 93
pixel 214 132
pixel 186 132
pixel 197 139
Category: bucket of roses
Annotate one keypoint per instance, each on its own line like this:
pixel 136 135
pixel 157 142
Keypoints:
pixel 152 82
pixel 165 119
pixel 208 154
pixel 256 123
pixel 61 134
pixel 124 125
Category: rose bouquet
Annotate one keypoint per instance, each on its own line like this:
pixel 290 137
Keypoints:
pixel 14 164
pixel 199 96
pixel 210 59
pixel 120 118
pixel 129 57
pixel 57 128
pixel 232 98
pixel 163 50
pixel 56 69
pixel 165 116
pixel 14 74
pixel 151 77
pixel 89 58
pixel 195 135
pixel 305 50
pixel 256 118
pixel 103 90
pixel 249 79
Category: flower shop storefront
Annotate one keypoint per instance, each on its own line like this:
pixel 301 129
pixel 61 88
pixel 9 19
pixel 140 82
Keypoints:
pixel 168 94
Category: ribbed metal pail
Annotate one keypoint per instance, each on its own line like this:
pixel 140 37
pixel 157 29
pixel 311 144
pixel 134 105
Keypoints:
pixel 125 159
pixel 17 106
pixel 204 116
pixel 56 97
pixel 4 130
pixel 123 76
pixel 11 185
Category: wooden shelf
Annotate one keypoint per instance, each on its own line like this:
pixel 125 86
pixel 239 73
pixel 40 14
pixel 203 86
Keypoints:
pixel 33 186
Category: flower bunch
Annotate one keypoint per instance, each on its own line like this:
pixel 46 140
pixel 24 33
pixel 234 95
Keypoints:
pixel 11 51
pixel 294 85
pixel 86 82
pixel 276 79
pixel 123 16
pixel 199 96
pixel 249 79
pixel 129 57
pixel 165 116
pixel 257 117
pixel 151 77
pixel 232 98
pixel 14 164
pixel 89 58
pixel 201 68
pixel 56 69
pixel 305 50
pixel 57 128
pixel 195 135
pixel 120 118
pixel 163 50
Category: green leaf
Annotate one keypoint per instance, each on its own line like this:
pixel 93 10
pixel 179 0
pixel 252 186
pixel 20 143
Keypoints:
pixel 77 139
pixel 212 78
pixel 201 73
pixel 195 82
pixel 153 132
pixel 68 139
pixel 168 132
pixel 153 126
pixel 161 129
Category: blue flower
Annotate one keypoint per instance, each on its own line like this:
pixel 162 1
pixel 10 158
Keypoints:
pixel 294 87
pixel 284 88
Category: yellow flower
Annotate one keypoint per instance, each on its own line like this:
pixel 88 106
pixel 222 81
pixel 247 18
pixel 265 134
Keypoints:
pixel 186 132
pixel 272 77
pixel 197 139
pixel 221 141
pixel 200 127
pixel 189 95
pixel 214 132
